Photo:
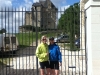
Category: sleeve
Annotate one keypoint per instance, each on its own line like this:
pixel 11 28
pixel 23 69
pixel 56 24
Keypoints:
pixel 59 54
pixel 40 54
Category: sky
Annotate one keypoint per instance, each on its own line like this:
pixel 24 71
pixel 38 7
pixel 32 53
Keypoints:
pixel 28 3
pixel 21 4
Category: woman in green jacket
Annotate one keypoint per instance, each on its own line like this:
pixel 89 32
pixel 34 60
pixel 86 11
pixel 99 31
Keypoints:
pixel 43 55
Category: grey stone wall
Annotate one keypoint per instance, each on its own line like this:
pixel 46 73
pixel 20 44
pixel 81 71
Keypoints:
pixel 44 17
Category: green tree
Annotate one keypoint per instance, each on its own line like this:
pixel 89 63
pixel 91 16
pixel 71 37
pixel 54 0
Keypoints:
pixel 70 22
pixel 3 30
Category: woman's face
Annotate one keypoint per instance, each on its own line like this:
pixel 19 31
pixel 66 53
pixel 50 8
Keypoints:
pixel 44 39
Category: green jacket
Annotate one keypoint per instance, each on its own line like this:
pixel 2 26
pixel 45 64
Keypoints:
pixel 41 52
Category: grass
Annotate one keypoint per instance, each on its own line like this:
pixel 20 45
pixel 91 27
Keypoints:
pixel 25 39
pixel 67 46
pixel 5 60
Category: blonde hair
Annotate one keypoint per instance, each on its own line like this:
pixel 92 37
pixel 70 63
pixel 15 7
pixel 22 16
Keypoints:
pixel 43 37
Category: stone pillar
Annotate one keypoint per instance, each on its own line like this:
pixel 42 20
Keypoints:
pixel 92 8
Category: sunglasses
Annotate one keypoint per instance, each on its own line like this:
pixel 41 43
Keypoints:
pixel 44 39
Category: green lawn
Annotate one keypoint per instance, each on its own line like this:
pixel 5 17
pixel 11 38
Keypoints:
pixel 25 39
pixel 4 61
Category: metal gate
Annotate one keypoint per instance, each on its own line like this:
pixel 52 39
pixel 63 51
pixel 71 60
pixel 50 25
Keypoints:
pixel 27 26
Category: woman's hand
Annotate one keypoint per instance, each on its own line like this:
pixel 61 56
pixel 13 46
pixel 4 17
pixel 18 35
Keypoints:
pixel 60 64
pixel 47 54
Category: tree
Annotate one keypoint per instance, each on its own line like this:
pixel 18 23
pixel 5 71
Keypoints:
pixel 3 30
pixel 70 22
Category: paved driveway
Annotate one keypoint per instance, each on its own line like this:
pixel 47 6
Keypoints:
pixel 25 63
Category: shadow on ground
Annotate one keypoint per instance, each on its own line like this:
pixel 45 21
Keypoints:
pixel 8 70
pixel 23 55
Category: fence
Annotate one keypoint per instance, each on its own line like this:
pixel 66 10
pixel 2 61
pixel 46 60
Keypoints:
pixel 21 30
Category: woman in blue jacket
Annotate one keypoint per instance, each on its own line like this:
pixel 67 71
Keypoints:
pixel 55 57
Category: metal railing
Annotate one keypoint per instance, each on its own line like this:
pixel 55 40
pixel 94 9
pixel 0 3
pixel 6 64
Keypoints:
pixel 28 26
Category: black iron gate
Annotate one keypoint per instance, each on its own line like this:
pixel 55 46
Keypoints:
pixel 21 31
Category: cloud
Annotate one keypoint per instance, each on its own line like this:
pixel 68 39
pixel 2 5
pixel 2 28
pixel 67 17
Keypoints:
pixel 65 7
pixel 5 3
pixel 35 1
pixel 28 3
pixel 12 20
pixel 5 6
pixel 61 10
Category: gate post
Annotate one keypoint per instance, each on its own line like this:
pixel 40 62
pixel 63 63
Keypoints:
pixel 36 40
pixel 36 5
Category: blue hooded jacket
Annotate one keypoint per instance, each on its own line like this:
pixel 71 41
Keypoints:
pixel 54 53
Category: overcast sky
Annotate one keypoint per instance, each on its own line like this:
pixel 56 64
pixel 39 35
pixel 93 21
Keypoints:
pixel 14 19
